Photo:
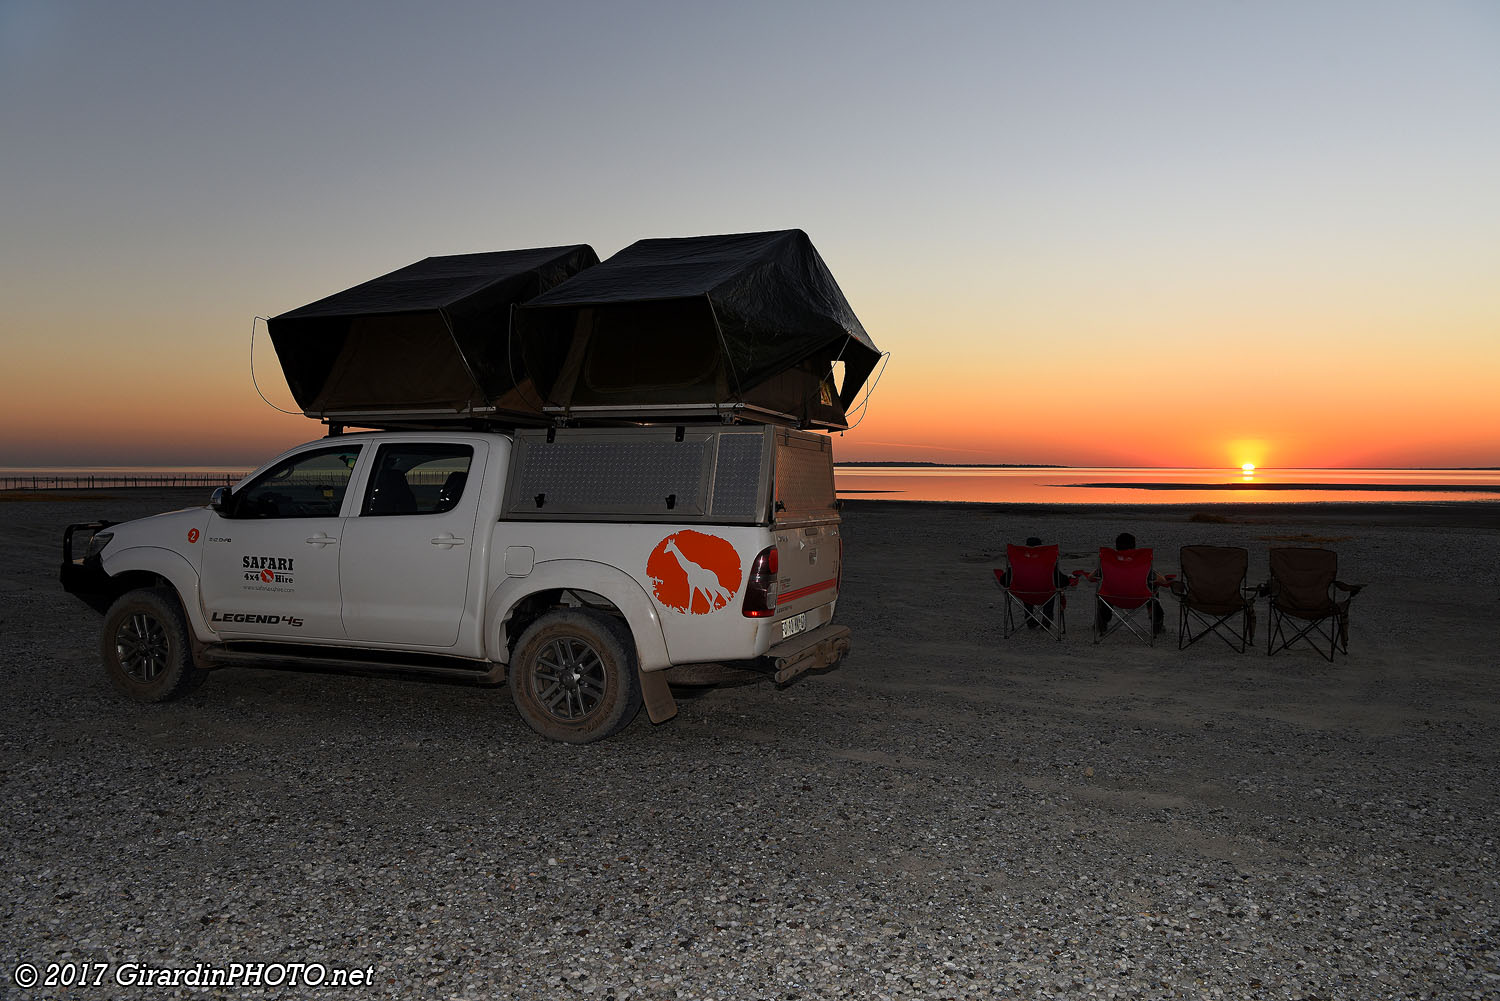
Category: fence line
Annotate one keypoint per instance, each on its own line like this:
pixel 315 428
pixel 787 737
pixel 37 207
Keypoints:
pixel 96 482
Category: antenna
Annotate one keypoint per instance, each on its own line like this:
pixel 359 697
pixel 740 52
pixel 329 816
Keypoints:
pixel 862 405
pixel 256 381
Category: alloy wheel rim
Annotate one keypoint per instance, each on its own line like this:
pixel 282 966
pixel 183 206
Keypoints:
pixel 142 647
pixel 570 680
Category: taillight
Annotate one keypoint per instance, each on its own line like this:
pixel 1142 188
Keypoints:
pixel 760 591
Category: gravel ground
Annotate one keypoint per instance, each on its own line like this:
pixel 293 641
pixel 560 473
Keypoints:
pixel 945 815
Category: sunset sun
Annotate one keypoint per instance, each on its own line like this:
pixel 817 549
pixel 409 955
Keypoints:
pixel 1248 467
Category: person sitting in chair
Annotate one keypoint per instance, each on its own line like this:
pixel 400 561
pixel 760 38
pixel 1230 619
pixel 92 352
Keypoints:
pixel 1059 579
pixel 1123 541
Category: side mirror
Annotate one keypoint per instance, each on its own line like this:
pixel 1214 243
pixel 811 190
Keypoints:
pixel 220 499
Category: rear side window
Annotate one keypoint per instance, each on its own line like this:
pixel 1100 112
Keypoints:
pixel 804 479
pixel 306 485
pixel 417 479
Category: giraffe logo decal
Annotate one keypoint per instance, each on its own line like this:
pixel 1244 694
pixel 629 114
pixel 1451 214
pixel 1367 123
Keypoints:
pixel 694 573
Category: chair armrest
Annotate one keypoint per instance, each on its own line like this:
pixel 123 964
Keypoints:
pixel 1178 588
pixel 1350 589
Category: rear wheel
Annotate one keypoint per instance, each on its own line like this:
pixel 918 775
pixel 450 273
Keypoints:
pixel 573 677
pixel 145 647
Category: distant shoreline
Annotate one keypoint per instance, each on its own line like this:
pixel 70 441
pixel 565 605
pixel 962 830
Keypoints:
pixel 75 471
pixel 962 465
pixel 1455 488
pixel 896 463
pixel 1468 515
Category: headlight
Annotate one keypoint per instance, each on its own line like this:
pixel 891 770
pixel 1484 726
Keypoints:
pixel 97 544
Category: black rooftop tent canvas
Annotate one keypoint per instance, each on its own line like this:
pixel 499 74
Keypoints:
pixel 700 324
pixel 748 326
pixel 430 339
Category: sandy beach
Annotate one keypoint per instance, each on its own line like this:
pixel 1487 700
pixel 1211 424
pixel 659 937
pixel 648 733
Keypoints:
pixel 947 814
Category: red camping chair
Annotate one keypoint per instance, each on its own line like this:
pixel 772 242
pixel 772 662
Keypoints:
pixel 1030 580
pixel 1126 586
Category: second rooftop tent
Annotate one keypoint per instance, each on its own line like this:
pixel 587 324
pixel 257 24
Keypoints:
pixel 745 326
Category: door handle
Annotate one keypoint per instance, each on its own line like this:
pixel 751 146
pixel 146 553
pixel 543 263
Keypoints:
pixel 448 541
pixel 321 540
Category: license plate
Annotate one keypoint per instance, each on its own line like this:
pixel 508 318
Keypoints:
pixel 793 625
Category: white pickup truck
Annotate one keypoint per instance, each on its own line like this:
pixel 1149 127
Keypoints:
pixel 580 565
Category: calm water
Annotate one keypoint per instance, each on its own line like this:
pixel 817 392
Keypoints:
pixel 1073 485
pixel 1080 485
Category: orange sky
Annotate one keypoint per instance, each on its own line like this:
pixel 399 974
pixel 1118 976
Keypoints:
pixel 1341 390
pixel 1355 372
pixel 1088 234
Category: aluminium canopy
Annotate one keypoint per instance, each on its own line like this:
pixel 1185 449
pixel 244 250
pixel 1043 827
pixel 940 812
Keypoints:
pixel 426 342
pixel 748 325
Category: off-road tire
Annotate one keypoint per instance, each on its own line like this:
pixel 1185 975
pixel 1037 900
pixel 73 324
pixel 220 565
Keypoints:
pixel 573 677
pixel 145 647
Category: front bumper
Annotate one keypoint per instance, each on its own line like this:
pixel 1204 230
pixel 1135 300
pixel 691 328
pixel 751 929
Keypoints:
pixel 84 576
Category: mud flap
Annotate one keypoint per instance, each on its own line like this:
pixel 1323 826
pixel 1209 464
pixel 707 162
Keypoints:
pixel 660 705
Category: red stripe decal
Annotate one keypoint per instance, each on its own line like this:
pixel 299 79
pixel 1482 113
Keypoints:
pixel 803 592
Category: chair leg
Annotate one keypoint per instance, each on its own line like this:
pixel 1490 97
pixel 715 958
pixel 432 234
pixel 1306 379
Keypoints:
pixel 1126 618
pixel 1220 625
pixel 1326 629
pixel 1012 623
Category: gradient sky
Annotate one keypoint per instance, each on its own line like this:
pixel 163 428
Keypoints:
pixel 1163 233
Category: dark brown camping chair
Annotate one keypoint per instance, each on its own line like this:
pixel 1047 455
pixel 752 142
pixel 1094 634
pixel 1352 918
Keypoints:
pixel 1304 587
pixel 1212 596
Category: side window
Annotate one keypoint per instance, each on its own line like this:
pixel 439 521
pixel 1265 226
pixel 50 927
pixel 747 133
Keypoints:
pixel 417 479
pixel 307 485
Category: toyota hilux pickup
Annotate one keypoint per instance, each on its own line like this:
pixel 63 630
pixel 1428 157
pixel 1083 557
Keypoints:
pixel 579 565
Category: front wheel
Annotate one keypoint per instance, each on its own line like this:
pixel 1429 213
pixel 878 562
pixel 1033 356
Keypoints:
pixel 145 647
pixel 573 677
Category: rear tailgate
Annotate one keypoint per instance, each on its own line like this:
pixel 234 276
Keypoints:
pixel 805 523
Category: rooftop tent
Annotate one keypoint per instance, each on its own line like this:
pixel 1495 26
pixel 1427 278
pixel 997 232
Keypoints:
pixel 749 324
pixel 426 342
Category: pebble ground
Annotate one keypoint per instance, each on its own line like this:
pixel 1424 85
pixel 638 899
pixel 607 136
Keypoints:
pixel 946 815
